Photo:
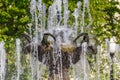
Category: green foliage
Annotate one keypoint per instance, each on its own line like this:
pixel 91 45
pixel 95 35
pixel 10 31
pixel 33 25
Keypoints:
pixel 105 24
pixel 15 16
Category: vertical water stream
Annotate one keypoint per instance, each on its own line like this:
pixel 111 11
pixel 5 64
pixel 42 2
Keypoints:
pixel 2 61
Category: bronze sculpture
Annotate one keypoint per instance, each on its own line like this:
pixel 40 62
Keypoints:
pixel 58 62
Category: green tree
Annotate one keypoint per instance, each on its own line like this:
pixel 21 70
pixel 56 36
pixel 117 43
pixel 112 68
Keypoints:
pixel 14 17
pixel 105 24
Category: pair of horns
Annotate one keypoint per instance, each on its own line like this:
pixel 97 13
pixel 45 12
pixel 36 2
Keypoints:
pixel 49 34
pixel 26 35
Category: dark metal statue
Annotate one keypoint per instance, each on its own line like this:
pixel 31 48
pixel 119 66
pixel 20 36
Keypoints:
pixel 58 59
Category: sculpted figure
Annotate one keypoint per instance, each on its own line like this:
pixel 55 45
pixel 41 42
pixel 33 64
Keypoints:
pixel 58 61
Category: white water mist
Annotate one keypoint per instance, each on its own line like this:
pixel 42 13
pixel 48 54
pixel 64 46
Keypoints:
pixel 18 59
pixel 57 25
pixel 2 61
pixel 86 9
pixel 84 61
pixel 98 62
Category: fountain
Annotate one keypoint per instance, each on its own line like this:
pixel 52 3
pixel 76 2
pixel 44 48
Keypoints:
pixel 57 48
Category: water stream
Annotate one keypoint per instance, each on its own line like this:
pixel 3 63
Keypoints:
pixel 64 33
pixel 2 61
pixel 18 59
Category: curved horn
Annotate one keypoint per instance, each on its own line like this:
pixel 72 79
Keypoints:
pixel 49 34
pixel 82 34
pixel 45 37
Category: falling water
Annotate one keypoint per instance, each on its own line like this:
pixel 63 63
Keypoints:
pixel 61 31
pixel 18 61
pixel 76 14
pixel 57 25
pixel 83 24
pixel 84 48
pixel 34 63
pixel 2 61
pixel 66 12
pixel 60 55
pixel 98 62
pixel 32 66
pixel 107 57
pixel 85 63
